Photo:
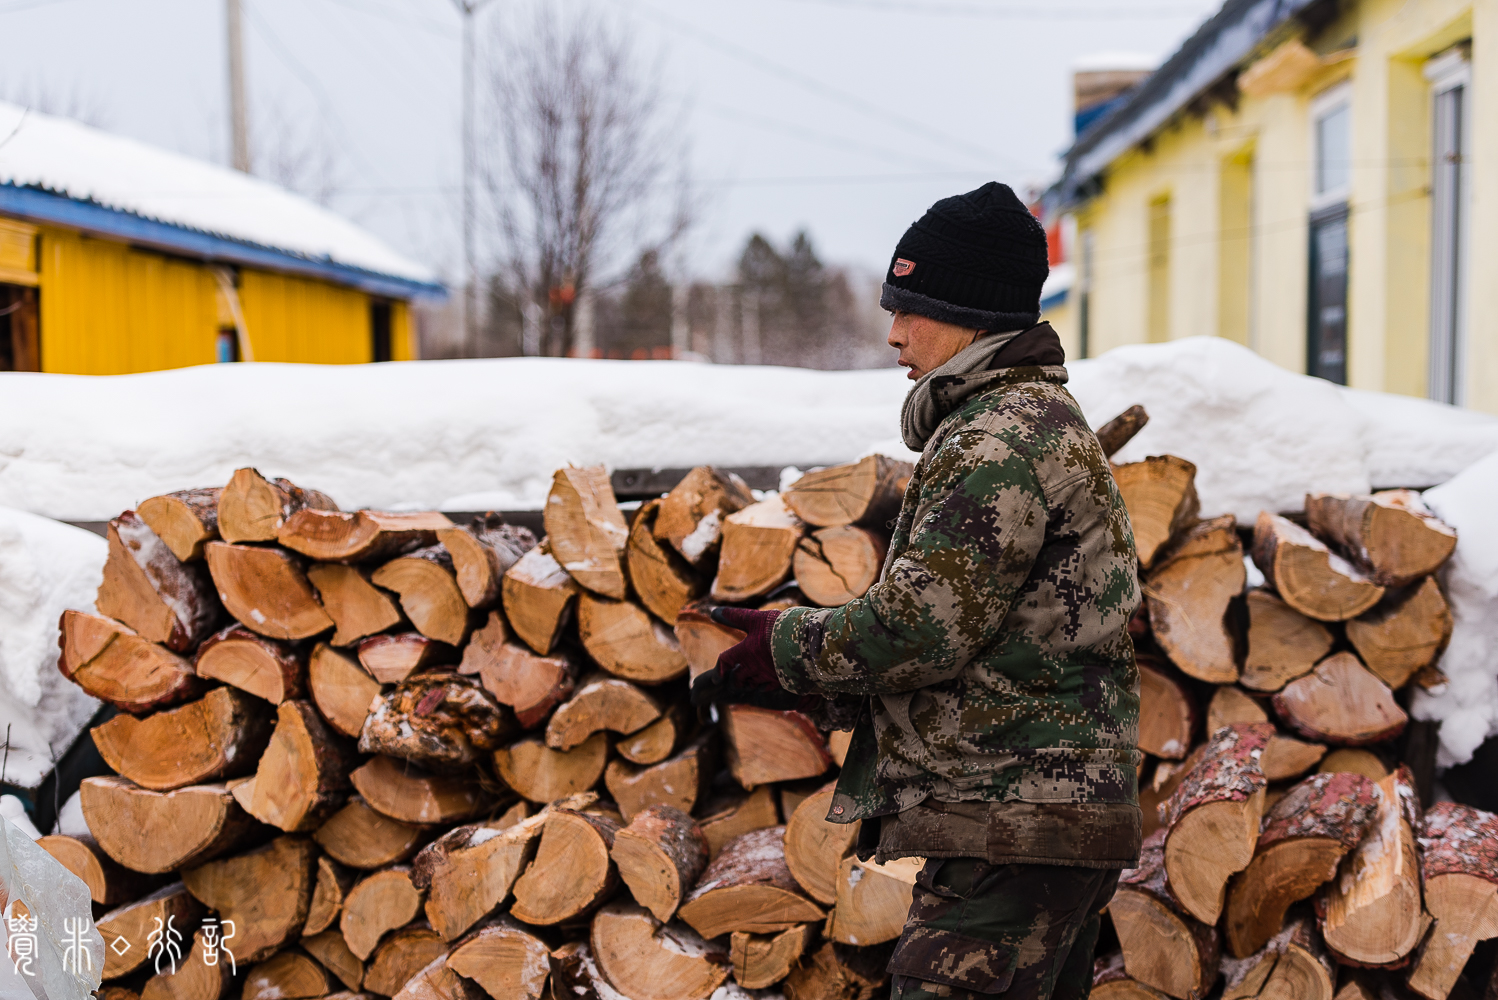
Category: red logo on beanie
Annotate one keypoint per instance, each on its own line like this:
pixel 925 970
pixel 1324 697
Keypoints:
pixel 902 267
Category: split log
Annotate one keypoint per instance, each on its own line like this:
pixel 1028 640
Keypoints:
pixel 1189 592
pixel 1460 870
pixel 664 581
pixel 1230 705
pixel 116 993
pixel 441 721
pixel 623 639
pixel 148 588
pixel 690 517
pixel 378 904
pixel 341 689
pixel 1341 702
pixel 766 746
pixel 1405 633
pixel 601 702
pixel 1286 757
pixel 538 598
pixel 644 960
pixel 762 960
pixel 1119 431
pixel 838 742
pixel 1167 714
pixel 677 782
pixel 303 775
pixel 469 871
pixel 265 667
pixel 1292 966
pixel 703 640
pixel 726 820
pixel 286 975
pixel 220 735
pixel 1310 577
pixel 659 855
pixel 540 774
pixel 1305 835
pixel 1162 785
pixel 266 589
pixel 1392 536
pixel 114 664
pixel 186 520
pixel 328 893
pixel 842 972
pixel 108 883
pixel 331 950
pixel 400 956
pixel 748 887
pixel 360 837
pixel 525 681
pixel 1160 494
pixel 759 543
pixel 358 608
pixel 658 740
pixel 404 792
pixel 359 536
pixel 483 551
pixel 814 847
pixel 390 659
pixel 159 832
pixel 252 508
pixel 586 530
pixel 266 892
pixel 429 593
pixel 506 960
pixel 1164 947
pixel 867 492
pixel 1283 644
pixel 126 929
pixel 1213 819
pixel 191 977
pixel 836 565
pixel 572 873
pixel 1111 982
pixel 1356 760
pixel 438 982
pixel 872 900
pixel 1370 913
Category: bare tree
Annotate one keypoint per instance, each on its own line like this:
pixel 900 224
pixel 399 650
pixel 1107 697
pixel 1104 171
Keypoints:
pixel 77 103
pixel 295 152
pixel 578 163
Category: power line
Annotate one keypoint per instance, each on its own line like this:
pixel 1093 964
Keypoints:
pixel 1107 12
pixel 29 5
pixel 812 135
pixel 424 23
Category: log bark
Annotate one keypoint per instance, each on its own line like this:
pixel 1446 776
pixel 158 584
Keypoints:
pixel 252 508
pixel 762 960
pixel 358 608
pixel 1283 644
pixel 148 588
pixel 872 900
pixel 840 972
pixel 360 837
pixel 623 639
pixel 114 664
pixel 359 536
pixel 108 883
pixel 1160 494
pixel 329 891
pixel 678 782
pixel 836 565
pixel 482 552
pixel 759 543
pixel 1341 702
pixel 302 777
pixel 664 581
pixel 1162 785
pixel 264 667
pixel 401 956
pixel 404 792
pixel 815 847
pixel 540 774
pixel 378 904
pixel 159 832
pixel 645 961
pixel 444 722
pixel 690 517
pixel 660 855
pixel 220 735
pixel 286 975
pixel 1305 835
pixel 1119 431
pixel 329 948
pixel 390 659
pixel 703 640
pixel 1310 577
pixel 586 531
pixel 341 689
pixel 765 746
pixel 186 520
pixel 726 820
pixel 267 590
pixel 572 873
pixel 429 593
pixel 748 887
pixel 1189 592
pixel 1286 757
pixel 1167 714
pixel 506 960
pixel 1404 634
pixel 192 978
pixel 1460 870
pixel 867 493
pixel 1391 536
pixel 1164 947
pixel 470 871
pixel 126 928
pixel 1356 760
pixel 601 702
pixel 266 892
pixel 1213 819
pixel 658 740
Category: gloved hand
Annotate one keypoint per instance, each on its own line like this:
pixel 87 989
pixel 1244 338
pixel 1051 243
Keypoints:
pixel 745 673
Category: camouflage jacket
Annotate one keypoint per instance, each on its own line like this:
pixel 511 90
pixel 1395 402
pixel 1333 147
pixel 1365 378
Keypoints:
pixel 993 655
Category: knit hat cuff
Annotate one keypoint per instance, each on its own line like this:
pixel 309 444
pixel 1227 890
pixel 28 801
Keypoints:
pixel 905 300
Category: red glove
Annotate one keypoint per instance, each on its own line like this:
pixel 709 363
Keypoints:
pixel 745 673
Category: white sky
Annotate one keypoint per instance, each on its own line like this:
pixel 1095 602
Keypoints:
pixel 847 117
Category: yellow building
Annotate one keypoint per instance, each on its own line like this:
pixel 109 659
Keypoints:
pixel 1316 179
pixel 118 257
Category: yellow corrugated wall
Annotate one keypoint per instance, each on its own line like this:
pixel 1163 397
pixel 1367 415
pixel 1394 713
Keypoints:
pixel 402 337
pixel 306 321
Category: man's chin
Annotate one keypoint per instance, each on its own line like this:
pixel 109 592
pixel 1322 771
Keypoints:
pixel 914 374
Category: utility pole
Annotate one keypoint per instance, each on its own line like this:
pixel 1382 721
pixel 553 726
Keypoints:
pixel 468 8
pixel 239 116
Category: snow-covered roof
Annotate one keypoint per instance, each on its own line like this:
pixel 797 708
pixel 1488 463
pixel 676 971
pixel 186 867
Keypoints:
pixel 126 182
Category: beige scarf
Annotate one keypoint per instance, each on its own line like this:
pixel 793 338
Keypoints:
pixel 921 415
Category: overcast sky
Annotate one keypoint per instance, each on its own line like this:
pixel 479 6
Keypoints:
pixel 845 117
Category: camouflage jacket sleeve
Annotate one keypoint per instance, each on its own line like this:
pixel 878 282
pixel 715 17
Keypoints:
pixel 975 530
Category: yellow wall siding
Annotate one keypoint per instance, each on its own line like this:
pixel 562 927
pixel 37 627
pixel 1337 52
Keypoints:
pixel 300 320
pixel 402 336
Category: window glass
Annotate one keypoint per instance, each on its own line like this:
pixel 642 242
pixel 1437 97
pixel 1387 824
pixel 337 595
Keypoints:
pixel 1334 150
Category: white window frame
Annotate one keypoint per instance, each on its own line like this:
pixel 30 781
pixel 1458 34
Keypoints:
pixel 1449 259
pixel 1329 100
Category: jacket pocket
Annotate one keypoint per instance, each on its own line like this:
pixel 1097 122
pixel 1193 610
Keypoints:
pixel 937 956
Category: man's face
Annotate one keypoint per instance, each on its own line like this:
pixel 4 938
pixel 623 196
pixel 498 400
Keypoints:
pixel 926 344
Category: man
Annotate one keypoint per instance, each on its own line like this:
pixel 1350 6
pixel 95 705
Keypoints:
pixel 990 669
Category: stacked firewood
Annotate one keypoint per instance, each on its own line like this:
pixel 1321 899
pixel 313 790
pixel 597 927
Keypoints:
pixel 384 753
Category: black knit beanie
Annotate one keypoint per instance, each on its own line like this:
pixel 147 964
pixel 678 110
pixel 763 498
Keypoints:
pixel 976 260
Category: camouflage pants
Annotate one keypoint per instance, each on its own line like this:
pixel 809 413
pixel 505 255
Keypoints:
pixel 978 930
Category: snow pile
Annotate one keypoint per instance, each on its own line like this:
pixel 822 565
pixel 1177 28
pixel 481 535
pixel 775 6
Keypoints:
pixel 45 568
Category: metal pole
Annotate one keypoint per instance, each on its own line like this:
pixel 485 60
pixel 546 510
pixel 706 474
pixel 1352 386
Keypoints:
pixel 239 117
pixel 470 285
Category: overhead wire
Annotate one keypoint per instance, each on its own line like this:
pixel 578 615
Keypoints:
pixel 816 136
pixel 1108 11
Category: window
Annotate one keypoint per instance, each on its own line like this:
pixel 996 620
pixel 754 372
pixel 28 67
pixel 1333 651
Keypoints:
pixel 1331 186
pixel 20 347
pixel 1158 329
pixel 379 331
pixel 1450 76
